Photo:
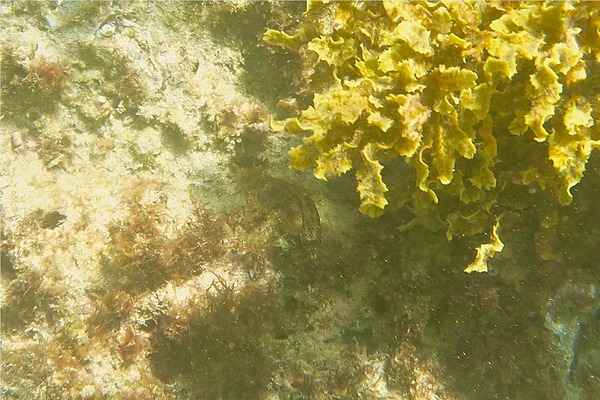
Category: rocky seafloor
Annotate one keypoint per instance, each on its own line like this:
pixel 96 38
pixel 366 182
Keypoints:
pixel 152 235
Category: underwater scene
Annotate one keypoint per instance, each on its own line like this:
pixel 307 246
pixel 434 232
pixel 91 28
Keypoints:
pixel 300 200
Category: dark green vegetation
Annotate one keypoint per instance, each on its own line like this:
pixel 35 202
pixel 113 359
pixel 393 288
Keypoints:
pixel 377 291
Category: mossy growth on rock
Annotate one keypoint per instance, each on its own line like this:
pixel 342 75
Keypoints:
pixel 479 98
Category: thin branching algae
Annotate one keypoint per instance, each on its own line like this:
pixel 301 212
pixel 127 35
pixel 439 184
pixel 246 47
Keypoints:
pixel 455 89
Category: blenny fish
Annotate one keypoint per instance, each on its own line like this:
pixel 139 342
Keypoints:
pixel 311 232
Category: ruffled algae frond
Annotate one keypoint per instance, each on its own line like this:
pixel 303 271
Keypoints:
pixel 475 97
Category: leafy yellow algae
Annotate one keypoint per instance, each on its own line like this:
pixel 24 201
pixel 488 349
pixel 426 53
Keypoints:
pixel 485 252
pixel 331 51
pixel 412 116
pixel 422 170
pixel 458 90
pixel 545 93
pixel 413 34
pixel 483 177
pixel 570 146
pixel 341 104
pixel 292 42
pixel 334 162
pixel 578 116
pixel 370 184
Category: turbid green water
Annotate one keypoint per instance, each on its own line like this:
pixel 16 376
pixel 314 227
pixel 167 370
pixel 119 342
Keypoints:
pixel 157 244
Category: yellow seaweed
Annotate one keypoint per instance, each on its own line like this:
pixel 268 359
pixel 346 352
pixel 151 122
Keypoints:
pixel 455 89
pixel 485 252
